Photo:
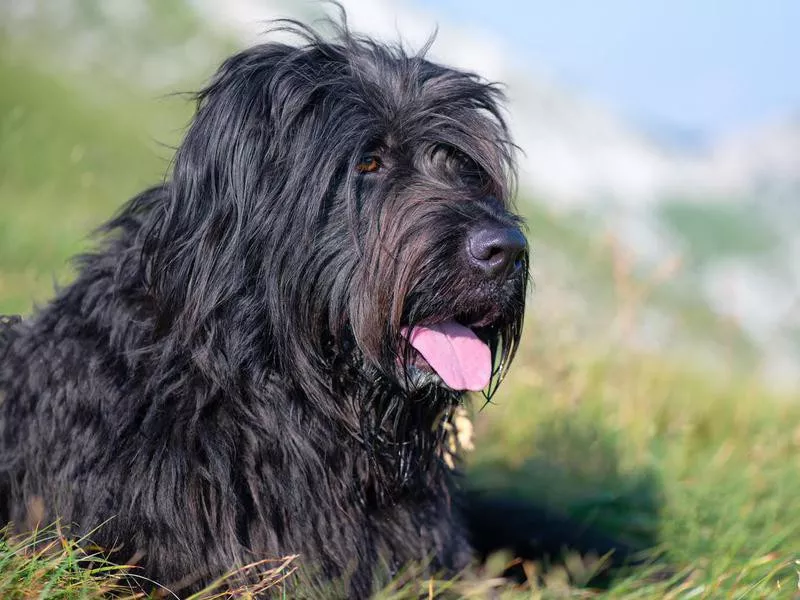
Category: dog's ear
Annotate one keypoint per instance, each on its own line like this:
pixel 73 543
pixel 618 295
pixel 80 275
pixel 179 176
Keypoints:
pixel 196 247
pixel 250 187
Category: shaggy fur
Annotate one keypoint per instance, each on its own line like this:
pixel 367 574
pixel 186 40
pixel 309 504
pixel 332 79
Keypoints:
pixel 226 380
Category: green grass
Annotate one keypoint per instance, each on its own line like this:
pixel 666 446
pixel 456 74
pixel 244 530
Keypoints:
pixel 72 162
pixel 646 446
pixel 49 564
pixel 654 451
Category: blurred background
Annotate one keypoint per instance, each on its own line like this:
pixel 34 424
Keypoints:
pixel 661 165
pixel 656 390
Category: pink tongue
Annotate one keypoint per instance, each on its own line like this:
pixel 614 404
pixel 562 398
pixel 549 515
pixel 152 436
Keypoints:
pixel 459 357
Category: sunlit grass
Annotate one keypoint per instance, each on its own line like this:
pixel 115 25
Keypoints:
pixel 65 166
pixel 50 564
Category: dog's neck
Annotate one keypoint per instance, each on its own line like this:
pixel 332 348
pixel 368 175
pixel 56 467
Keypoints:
pixel 398 436
pixel 404 433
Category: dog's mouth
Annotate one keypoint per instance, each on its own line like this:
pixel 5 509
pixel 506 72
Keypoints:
pixel 455 349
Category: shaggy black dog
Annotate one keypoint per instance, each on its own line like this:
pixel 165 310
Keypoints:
pixel 264 355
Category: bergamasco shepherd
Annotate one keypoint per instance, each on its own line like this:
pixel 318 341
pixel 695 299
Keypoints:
pixel 264 355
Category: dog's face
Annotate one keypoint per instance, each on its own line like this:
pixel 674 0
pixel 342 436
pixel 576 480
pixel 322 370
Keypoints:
pixel 354 201
pixel 441 286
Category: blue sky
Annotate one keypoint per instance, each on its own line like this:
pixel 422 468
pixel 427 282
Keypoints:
pixel 699 66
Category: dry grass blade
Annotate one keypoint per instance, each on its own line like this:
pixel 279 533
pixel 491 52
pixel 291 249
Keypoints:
pixel 260 576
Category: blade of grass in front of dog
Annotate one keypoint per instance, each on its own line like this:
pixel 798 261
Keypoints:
pixel 46 564
pixel 263 578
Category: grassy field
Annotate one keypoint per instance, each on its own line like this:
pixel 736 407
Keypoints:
pixel 646 446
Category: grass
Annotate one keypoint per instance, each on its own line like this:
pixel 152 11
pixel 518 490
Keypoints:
pixel 50 564
pixel 655 451
pixel 643 444
pixel 72 161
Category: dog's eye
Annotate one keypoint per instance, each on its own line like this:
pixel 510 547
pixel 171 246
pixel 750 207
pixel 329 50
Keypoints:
pixel 369 163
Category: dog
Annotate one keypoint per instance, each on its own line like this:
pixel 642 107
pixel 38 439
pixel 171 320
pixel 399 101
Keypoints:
pixel 264 355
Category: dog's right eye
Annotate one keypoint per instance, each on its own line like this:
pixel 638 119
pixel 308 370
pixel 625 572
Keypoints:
pixel 368 163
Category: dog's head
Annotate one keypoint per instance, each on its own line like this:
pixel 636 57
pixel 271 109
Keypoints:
pixel 341 198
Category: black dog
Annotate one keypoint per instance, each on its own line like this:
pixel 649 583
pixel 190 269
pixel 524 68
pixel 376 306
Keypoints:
pixel 263 356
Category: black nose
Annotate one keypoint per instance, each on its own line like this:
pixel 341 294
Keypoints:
pixel 496 250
